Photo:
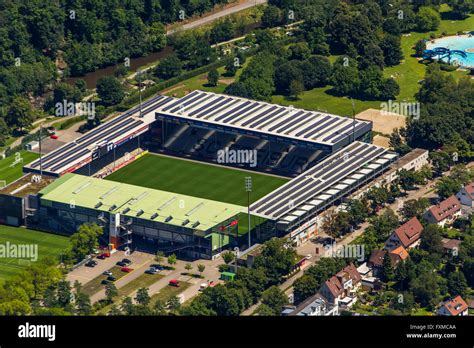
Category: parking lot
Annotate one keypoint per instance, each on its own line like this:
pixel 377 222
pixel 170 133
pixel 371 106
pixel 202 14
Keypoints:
pixel 128 283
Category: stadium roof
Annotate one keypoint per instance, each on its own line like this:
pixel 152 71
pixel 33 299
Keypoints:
pixel 75 154
pixel 139 202
pixel 259 118
pixel 309 191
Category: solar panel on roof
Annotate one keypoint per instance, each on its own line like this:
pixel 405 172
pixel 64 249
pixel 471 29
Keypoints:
pixel 206 106
pixel 180 101
pixel 260 115
pixel 285 121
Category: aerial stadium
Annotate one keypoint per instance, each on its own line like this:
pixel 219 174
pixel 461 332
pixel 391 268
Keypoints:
pixel 152 177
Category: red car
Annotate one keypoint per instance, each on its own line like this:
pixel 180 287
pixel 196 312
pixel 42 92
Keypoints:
pixel 103 255
pixel 126 269
pixel 174 282
pixel 53 136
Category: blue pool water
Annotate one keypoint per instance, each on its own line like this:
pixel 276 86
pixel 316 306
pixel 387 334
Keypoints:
pixel 463 43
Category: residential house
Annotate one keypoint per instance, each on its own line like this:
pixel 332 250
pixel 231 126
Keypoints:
pixel 407 235
pixel 451 245
pixel 340 289
pixel 316 305
pixel 455 307
pixel 396 256
pixel 466 198
pixel 445 213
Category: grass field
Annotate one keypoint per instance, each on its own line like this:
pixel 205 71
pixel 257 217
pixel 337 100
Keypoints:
pixel 9 173
pixel 168 292
pixel 95 285
pixel 195 179
pixel 48 245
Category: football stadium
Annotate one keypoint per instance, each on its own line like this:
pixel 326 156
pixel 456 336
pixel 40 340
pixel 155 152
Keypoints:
pixel 173 174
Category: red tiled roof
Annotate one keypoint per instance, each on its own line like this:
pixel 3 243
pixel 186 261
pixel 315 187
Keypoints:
pixel 446 208
pixel 409 232
pixel 470 189
pixel 335 283
pixel 450 243
pixel 456 305
pixel 401 253
pixel 376 258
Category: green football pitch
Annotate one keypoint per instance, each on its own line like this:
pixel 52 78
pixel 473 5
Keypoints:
pixel 196 179
pixel 10 171
pixel 48 245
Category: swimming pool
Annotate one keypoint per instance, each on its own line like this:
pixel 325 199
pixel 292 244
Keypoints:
pixel 463 43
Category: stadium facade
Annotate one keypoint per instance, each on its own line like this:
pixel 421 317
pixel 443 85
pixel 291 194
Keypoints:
pixel 149 219
pixel 328 156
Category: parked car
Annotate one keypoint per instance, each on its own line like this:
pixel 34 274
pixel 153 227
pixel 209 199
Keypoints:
pixel 203 286
pixel 107 273
pixel 309 256
pixel 105 282
pixel 53 136
pixel 103 255
pixel 152 270
pixel 121 264
pixel 174 282
pixel 157 266
pixel 111 278
pixel 126 269
pixel 91 263
pixel 127 262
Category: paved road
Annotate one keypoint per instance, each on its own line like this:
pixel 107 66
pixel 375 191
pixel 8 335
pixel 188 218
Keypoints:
pixel 225 12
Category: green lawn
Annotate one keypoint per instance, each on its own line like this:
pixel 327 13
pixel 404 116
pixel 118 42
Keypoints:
pixel 195 179
pixel 200 82
pixel 168 292
pixel 145 280
pixel 10 173
pixel 95 285
pixel 407 74
pixel 48 245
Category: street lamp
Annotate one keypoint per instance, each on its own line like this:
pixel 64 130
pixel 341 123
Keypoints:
pixel 248 189
pixel 236 250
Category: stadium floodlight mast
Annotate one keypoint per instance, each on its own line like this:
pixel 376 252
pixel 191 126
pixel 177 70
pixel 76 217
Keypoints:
pixel 248 189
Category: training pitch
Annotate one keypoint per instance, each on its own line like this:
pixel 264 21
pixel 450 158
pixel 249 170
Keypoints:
pixel 48 245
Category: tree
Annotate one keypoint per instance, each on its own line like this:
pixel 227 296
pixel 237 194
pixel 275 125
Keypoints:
pixel 345 77
pixel 277 258
pixel 285 74
pixel 20 115
pixel 114 311
pixel 299 51
pixel 336 224
pixel 431 239
pixel 110 90
pixel 461 9
pixel 296 89
pixel 159 308
pixel 408 179
pixel 425 289
pixel 457 284
pixel 172 259
pixel 392 50
pixel 415 208
pixel 427 19
pixel 173 304
pixel 390 89
pixel 110 292
pixel 317 72
pixel 83 304
pixel 371 82
pixel 159 256
pixel 272 17
pixel 213 78
pixel 84 241
pixel 447 186
pixel 358 211
pixel 188 267
pixel 231 68
pixel 228 257
pixel 387 273
pixel 127 306
pixel 397 143
pixel 201 268
pixel 169 67
pixel 304 287
pixel 142 297
pixel 4 131
pixel 275 299
pixel 420 47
